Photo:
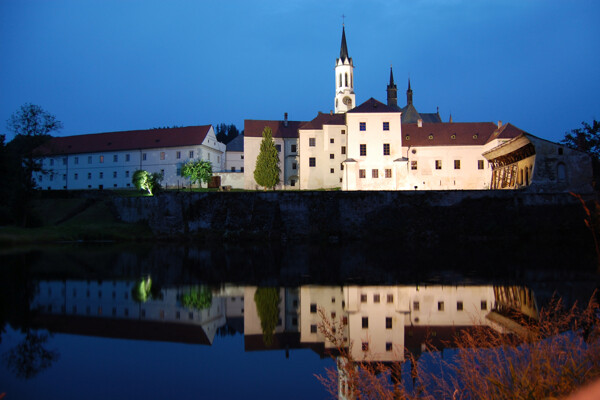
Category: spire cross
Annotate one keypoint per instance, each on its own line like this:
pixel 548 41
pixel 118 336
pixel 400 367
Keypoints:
pixel 343 20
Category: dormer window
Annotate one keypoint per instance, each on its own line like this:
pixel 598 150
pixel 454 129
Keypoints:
pixel 453 136
pixel 430 137
pixel 407 137
pixel 475 136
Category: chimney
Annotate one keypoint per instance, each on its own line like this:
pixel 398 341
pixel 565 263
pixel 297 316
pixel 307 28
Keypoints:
pixel 499 124
pixel 285 121
pixel 420 123
pixel 330 112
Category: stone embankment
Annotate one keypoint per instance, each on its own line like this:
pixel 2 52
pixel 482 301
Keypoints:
pixel 404 217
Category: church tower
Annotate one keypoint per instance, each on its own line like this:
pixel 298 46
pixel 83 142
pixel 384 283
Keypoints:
pixel 345 99
pixel 392 92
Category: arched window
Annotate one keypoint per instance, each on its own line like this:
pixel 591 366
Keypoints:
pixel 352 80
pixel 340 85
pixel 561 172
pixel 521 176
pixel 526 176
pixel 346 79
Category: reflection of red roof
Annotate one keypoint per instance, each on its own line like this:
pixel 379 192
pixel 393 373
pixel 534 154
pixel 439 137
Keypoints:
pixel 126 140
pixel 456 133
pixel 124 328
pixel 254 128
pixel 325 119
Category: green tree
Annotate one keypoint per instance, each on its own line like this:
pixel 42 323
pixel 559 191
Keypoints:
pixel 199 298
pixel 267 307
pixel 197 171
pixel 266 172
pixel 144 180
pixel 585 139
pixel 226 133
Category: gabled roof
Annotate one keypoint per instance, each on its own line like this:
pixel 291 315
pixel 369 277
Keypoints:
pixel 236 144
pixel 254 128
pixel 373 106
pixel 125 140
pixel 324 119
pixel 506 131
pixel 447 134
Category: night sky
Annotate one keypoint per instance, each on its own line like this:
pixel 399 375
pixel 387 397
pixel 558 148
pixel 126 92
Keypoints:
pixel 108 65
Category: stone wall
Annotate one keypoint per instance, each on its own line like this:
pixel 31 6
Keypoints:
pixel 405 218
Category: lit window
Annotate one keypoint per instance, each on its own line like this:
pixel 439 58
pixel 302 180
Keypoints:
pixel 413 165
pixel 456 164
pixel 363 149
pixel 386 149
pixel 312 142
pixel 312 162
pixel 101 159
pixel 362 173
pixel 162 155
pixel 363 126
pixel 386 126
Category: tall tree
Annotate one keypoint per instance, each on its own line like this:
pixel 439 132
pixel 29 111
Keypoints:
pixel 197 171
pixel 266 172
pixel 226 133
pixel 586 139
pixel 144 180
pixel 33 120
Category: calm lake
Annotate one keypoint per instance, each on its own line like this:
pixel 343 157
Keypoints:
pixel 170 321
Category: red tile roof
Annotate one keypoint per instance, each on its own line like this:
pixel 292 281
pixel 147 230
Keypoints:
pixel 455 133
pixel 325 119
pixel 254 128
pixel 126 140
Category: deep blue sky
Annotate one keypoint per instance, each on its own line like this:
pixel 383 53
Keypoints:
pixel 108 65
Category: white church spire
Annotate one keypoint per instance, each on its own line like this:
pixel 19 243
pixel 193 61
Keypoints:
pixel 345 99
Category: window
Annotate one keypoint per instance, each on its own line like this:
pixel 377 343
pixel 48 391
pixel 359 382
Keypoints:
pixel 459 306
pixel 365 346
pixel 363 149
pixel 313 328
pixel 376 298
pixel 292 182
pixel 101 175
pixel 242 169
pixel 331 156
pixel 89 159
pixel 313 308
pixel 114 174
pixel 413 165
pixel 430 137
pixel 440 306
pixel 365 322
pixel 115 157
pixel 438 164
pixel 386 126
pixel 479 164
pixel 390 298
pixel 241 157
pixel 483 305
pixel 312 162
pixel 75 176
pixel 331 170
pixel 126 174
pixel 388 323
pixel 363 126
pixel 388 346
pixel 162 155
pixel 407 137
pixel 456 164
pixel 343 149
pixel 178 155
pixel 416 305
pixel 363 298
pixel 127 157
pixel 278 148
pixel 294 166
pixel 76 160
pixel 191 153
pixel 386 149
pixel 312 142
pixel 375 173
pixel 208 156
pixel 89 175
pixel 343 131
pixel 388 173
pixel 101 159
pixel 162 172
pixel 333 299
pixel 232 169
pixel 64 177
pixel 293 148
pixel 560 151
pixel 362 173
pixel 341 167
pixel 144 157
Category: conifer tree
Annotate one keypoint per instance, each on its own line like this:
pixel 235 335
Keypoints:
pixel 266 172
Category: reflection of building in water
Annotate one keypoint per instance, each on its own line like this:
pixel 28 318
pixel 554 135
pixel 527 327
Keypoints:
pixel 106 308
pixel 383 320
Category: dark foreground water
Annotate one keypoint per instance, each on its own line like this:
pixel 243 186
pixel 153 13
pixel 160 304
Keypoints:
pixel 109 321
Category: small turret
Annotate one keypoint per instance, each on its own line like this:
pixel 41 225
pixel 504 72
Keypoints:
pixel 409 94
pixel 392 91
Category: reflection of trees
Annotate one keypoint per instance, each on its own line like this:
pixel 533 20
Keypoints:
pixel 267 306
pixel 144 290
pixel 30 357
pixel 198 298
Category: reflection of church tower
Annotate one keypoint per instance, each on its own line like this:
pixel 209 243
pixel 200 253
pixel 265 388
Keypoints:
pixel 344 79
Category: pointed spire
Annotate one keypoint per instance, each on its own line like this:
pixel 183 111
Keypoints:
pixel 392 92
pixel 409 93
pixel 391 77
pixel 344 47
